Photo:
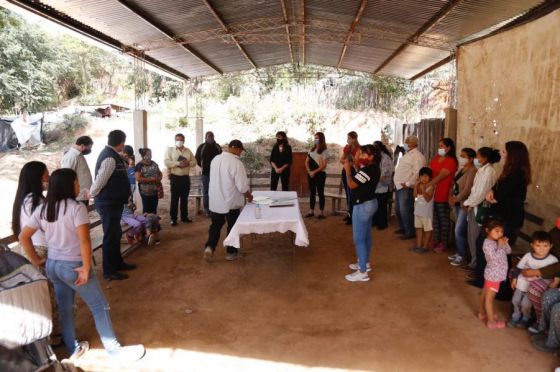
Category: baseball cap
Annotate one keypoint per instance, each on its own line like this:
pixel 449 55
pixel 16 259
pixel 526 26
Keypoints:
pixel 236 144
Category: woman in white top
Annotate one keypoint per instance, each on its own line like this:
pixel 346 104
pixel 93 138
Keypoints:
pixel 484 180
pixel 65 223
pixel 316 163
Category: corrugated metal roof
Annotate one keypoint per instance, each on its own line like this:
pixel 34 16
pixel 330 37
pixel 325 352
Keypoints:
pixel 157 28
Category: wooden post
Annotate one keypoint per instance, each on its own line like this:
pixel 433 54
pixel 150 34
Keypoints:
pixel 450 129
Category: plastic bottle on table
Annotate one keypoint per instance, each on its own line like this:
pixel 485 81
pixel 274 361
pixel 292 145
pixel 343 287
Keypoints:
pixel 258 212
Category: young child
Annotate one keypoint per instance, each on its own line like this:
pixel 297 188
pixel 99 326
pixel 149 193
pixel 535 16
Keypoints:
pixel 496 249
pixel 541 243
pixel 131 170
pixel 140 225
pixel 423 210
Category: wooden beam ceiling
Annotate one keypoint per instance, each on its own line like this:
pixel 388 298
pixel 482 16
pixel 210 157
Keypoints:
pixel 351 31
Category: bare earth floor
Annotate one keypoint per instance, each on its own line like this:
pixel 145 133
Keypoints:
pixel 269 313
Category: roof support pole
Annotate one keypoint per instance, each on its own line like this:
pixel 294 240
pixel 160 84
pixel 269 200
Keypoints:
pixel 226 29
pixel 285 14
pixel 167 32
pixel 351 31
pixel 438 17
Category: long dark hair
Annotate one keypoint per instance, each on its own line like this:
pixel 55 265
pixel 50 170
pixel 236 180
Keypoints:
pixel 30 182
pixel 372 150
pixel 322 146
pixel 284 142
pixel 61 188
pixel 517 159
pixel 452 153
pixel 490 154
pixel 382 148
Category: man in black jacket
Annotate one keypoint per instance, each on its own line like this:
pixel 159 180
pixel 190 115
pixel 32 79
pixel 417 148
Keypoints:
pixel 204 155
pixel 111 191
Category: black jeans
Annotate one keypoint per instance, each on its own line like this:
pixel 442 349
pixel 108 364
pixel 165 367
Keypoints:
pixel 218 220
pixel 112 232
pixel 380 217
pixel 180 188
pixel 317 186
pixel 284 178
pixel 347 191
pixel 149 203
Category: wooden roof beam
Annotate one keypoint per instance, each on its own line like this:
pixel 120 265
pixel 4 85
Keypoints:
pixel 285 14
pixel 226 29
pixel 438 17
pixel 432 67
pixel 351 31
pixel 167 32
pixel 302 34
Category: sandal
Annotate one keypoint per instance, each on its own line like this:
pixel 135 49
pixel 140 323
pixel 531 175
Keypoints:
pixel 498 324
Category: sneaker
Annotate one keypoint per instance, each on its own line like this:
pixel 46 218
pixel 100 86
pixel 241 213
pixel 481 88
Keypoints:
pixel 512 323
pixel 452 257
pixel 208 253
pixel 158 242
pixel 309 214
pixel 534 329
pixel 356 267
pixel 82 348
pixel 458 261
pixel 233 256
pixel 128 354
pixel 151 239
pixel 522 324
pixel 174 223
pixel 421 250
pixel 357 276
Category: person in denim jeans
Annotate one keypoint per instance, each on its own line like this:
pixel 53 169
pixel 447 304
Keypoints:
pixel 364 203
pixel 65 223
pixel 460 191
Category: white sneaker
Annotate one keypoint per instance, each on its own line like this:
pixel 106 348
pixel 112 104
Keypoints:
pixel 452 257
pixel 357 276
pixel 128 354
pixel 82 348
pixel 208 253
pixel 356 266
pixel 458 261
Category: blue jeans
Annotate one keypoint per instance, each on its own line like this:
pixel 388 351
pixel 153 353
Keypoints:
pixel 63 276
pixel 362 217
pixel 205 187
pixel 461 231
pixel 405 210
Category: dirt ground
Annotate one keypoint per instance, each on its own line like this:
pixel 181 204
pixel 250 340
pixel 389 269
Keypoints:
pixel 271 311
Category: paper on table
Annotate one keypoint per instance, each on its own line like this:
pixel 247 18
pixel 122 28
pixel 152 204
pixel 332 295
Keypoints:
pixel 262 200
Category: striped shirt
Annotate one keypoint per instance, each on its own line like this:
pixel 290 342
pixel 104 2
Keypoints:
pixel 367 179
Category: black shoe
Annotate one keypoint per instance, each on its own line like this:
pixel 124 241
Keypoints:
pixel 408 237
pixel 346 218
pixel 186 220
pixel 115 276
pixel 125 267
pixel 173 223
pixel 399 231
pixel 348 221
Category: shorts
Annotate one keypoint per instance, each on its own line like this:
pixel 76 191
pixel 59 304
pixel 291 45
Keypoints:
pixel 424 223
pixel 493 286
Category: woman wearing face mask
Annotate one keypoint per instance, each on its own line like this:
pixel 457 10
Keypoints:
pixel 444 166
pixel 484 179
pixel 148 176
pixel 350 153
pixel 316 163
pixel 362 186
pixel 462 184
pixel 280 160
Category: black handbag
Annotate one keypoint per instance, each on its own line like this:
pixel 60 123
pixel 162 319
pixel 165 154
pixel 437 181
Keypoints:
pixel 312 163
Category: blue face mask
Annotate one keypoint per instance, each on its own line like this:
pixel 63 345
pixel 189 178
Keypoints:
pixel 317 141
pixel 405 147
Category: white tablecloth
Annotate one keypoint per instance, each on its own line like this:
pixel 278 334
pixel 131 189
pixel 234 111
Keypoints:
pixel 281 219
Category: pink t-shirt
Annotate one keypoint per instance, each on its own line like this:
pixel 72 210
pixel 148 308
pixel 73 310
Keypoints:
pixel 62 235
pixel 496 260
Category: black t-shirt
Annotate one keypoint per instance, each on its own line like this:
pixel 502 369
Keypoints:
pixel 367 179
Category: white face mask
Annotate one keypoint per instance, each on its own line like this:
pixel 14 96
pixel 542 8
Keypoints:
pixel 179 143
pixel 45 186
pixel 462 162
pixel 477 163
pixel 441 152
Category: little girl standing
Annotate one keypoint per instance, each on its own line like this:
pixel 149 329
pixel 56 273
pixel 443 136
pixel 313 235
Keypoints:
pixel 496 249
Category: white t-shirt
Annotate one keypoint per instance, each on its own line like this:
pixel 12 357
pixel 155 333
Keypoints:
pixel 422 208
pixel 25 215
pixel 62 235
pixel 228 183
pixel 319 157
pixel 530 262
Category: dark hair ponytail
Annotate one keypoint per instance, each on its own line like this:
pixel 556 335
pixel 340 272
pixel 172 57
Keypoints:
pixel 490 154
pixel 30 182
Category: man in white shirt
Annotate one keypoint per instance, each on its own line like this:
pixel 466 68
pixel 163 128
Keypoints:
pixel 179 160
pixel 229 186
pixel 406 176
pixel 74 159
